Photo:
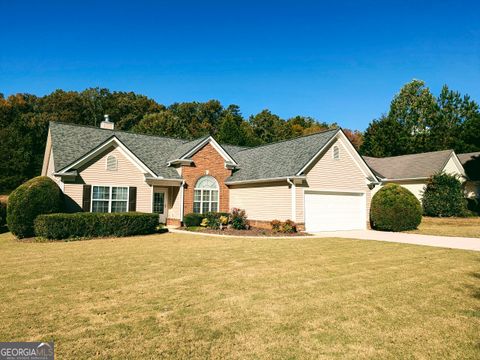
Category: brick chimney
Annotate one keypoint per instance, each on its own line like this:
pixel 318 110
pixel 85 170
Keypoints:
pixel 107 124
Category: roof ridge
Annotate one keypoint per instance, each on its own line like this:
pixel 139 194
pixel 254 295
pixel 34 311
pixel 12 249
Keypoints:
pixel 404 155
pixel 122 131
pixel 285 140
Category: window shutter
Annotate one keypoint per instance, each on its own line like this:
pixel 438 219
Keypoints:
pixel 132 199
pixel 87 195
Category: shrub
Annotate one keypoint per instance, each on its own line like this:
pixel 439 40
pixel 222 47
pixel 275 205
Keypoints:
pixel 213 219
pixel 394 208
pixel 3 214
pixel 443 196
pixel 87 225
pixel 276 225
pixel 40 195
pixel 474 206
pixel 289 227
pixel 192 219
pixel 238 218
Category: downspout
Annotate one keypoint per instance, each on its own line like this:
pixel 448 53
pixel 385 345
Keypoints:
pixel 181 200
pixel 294 199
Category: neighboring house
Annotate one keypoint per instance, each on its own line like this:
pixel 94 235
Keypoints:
pixel 413 171
pixel 471 164
pixel 319 181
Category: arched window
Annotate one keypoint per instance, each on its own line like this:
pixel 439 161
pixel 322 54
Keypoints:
pixel 336 152
pixel 205 196
pixel 112 163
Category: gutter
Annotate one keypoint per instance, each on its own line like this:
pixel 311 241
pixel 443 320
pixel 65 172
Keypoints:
pixel 285 178
pixel 294 199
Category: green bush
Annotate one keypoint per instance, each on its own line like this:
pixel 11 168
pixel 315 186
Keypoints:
pixel 287 227
pixel 192 219
pixel 213 219
pixel 238 219
pixel 276 225
pixel 394 208
pixel 87 225
pixel 3 214
pixel 473 205
pixel 40 195
pixel 443 196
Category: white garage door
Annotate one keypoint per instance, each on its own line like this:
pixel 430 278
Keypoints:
pixel 331 211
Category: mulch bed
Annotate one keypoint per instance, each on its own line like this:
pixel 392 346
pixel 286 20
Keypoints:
pixel 251 232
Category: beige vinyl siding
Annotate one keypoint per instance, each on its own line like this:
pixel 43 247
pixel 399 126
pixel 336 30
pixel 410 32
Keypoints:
pixel 328 173
pixel 264 202
pixel 127 174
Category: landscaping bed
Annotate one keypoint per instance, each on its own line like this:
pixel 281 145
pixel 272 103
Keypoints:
pixel 253 231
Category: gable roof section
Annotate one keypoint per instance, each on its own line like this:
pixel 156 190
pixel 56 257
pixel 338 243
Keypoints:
pixel 412 166
pixel 471 164
pixel 72 142
pixel 280 159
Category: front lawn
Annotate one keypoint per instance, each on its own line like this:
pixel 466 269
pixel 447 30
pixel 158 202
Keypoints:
pixel 465 227
pixel 180 296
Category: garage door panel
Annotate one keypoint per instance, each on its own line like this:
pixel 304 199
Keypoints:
pixel 331 211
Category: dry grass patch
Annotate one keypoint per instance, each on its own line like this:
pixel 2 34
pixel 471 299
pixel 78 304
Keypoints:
pixel 179 296
pixel 465 227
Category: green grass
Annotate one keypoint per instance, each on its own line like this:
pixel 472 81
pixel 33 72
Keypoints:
pixel 464 227
pixel 186 297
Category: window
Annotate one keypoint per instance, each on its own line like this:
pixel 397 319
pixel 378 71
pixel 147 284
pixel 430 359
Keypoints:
pixel 336 153
pixel 109 199
pixel 205 197
pixel 112 163
pixel 158 202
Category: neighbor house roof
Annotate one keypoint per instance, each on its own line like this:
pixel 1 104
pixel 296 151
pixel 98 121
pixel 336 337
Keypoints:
pixel 280 159
pixel 471 164
pixel 411 166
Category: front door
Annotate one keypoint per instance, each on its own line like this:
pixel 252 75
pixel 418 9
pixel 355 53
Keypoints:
pixel 160 204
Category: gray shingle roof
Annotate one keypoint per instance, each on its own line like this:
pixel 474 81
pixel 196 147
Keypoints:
pixel 71 142
pixel 281 159
pixel 471 164
pixel 409 166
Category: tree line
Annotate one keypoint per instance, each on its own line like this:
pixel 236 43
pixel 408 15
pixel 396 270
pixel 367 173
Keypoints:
pixel 416 122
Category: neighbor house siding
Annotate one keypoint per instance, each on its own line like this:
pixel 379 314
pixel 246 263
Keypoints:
pixel 328 173
pixel 127 174
pixel 264 201
pixel 415 187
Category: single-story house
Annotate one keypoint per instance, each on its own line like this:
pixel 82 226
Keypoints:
pixel 319 181
pixel 471 164
pixel 413 171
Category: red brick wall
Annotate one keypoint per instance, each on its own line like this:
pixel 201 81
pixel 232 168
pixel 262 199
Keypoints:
pixel 206 160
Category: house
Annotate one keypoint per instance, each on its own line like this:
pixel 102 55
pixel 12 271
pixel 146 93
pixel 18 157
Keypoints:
pixel 471 164
pixel 319 181
pixel 413 171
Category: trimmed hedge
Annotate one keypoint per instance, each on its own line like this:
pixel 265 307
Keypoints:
pixel 443 196
pixel 40 195
pixel 395 208
pixel 87 225
pixel 192 219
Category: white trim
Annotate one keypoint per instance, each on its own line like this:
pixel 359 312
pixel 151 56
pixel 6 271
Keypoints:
pixel 182 189
pixel 330 190
pixel 166 195
pixel 265 180
pixel 354 154
pixel 403 179
pixel 113 140
pixel 201 194
pixel 109 196
pixel 457 162
pixel 215 145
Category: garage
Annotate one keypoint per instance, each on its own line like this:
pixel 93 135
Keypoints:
pixel 332 211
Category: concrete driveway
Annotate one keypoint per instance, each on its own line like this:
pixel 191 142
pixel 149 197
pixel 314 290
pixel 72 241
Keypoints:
pixel 428 240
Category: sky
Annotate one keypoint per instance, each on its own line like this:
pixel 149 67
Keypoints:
pixel 337 61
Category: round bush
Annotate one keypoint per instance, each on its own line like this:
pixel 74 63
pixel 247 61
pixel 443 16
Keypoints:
pixel 444 196
pixel 3 214
pixel 394 208
pixel 40 195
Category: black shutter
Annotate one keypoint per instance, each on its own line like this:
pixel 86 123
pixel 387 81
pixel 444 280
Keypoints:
pixel 132 199
pixel 87 196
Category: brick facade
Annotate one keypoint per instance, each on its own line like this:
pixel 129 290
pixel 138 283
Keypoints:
pixel 207 161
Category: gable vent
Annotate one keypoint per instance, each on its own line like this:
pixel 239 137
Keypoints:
pixel 112 163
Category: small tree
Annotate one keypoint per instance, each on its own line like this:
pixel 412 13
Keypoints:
pixel 443 196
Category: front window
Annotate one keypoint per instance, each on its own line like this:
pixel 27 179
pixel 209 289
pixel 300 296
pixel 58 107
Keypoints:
pixel 109 199
pixel 205 197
